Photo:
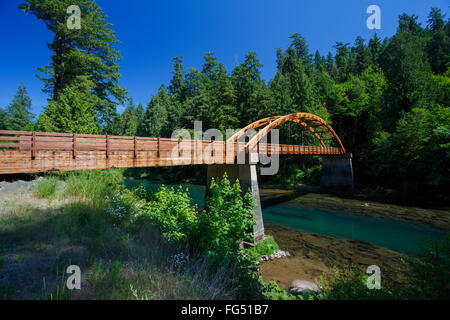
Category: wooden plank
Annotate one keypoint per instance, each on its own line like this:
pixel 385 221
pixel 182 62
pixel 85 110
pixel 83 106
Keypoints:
pixel 15 132
pixel 7 138
pixel 9 144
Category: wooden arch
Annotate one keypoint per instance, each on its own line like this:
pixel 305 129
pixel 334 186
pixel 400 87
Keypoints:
pixel 321 130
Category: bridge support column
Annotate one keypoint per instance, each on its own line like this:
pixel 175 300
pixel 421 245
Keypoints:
pixel 246 173
pixel 337 173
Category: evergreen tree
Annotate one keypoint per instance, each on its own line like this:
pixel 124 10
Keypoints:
pixel 2 119
pixel 156 119
pixel 177 83
pixel 343 61
pixel 252 96
pixel 375 48
pixel 17 115
pixel 331 66
pixel 319 62
pixel 438 48
pixel 74 111
pixel 407 69
pixel 130 120
pixel 226 115
pixel 88 51
pixel 140 114
pixel 363 58
pixel 301 48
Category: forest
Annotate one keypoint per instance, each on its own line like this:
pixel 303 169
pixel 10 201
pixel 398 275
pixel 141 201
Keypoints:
pixel 388 99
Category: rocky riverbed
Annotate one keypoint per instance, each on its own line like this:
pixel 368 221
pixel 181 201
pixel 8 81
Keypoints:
pixel 313 255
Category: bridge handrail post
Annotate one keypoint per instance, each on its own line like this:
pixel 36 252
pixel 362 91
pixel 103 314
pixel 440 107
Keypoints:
pixel 74 146
pixel 158 142
pixel 107 146
pixel 33 145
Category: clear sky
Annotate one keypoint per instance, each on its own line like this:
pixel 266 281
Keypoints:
pixel 153 32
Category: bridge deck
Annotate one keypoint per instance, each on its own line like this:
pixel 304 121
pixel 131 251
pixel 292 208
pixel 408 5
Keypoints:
pixel 28 152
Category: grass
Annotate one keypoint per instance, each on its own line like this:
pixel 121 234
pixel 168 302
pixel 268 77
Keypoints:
pixel 41 238
pixel 267 247
pixel 46 188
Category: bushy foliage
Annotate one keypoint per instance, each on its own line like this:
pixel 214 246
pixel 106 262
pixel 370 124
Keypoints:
pixel 271 291
pixel 227 220
pixel 171 211
pixel 429 276
pixel 421 136
pixel 75 111
pixel 350 284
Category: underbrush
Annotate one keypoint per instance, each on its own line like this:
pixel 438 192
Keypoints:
pixel 156 245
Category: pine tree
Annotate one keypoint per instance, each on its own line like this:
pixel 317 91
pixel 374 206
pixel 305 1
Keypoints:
pixel 363 58
pixel 17 115
pixel 343 61
pixel 438 48
pixel 156 119
pixel 319 61
pixel 74 111
pixel 375 48
pixel 407 69
pixel 252 97
pixel 88 51
pixel 331 66
pixel 301 48
pixel 140 114
pixel 177 83
pixel 2 119
pixel 130 120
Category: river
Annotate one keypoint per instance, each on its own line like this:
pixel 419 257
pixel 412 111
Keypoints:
pixel 401 236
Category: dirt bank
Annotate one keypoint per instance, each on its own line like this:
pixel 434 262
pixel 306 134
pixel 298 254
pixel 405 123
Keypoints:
pixel 314 255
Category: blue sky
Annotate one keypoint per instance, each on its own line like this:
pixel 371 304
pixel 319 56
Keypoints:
pixel 153 32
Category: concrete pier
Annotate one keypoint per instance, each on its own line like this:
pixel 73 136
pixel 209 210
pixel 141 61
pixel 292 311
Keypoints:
pixel 337 173
pixel 246 173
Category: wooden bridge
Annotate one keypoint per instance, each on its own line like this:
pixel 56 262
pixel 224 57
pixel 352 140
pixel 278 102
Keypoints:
pixel 28 152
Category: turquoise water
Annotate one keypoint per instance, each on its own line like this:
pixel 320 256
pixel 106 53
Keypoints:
pixel 392 234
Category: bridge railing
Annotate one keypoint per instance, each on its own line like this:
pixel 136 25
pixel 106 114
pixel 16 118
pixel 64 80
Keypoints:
pixel 51 141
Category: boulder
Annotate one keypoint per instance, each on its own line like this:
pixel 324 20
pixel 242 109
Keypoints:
pixel 303 286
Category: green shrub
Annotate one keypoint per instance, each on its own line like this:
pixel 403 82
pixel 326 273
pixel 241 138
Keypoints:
pixel 124 207
pixel 272 291
pixel 351 284
pixel 227 220
pixel 142 193
pixel 46 188
pixel 172 213
pixel 429 276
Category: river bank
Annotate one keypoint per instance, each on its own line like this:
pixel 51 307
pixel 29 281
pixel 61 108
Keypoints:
pixel 313 255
